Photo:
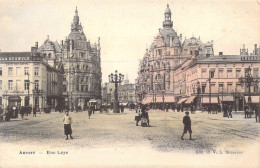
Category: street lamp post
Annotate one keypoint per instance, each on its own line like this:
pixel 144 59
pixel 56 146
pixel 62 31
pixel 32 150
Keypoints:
pixel 211 75
pixel 116 79
pixel 28 88
pixel 198 94
pixel 5 95
pixel 249 81
pixel 163 98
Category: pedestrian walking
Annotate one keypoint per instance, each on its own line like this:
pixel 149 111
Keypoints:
pixel 34 112
pixel 122 109
pixel 225 109
pixel 89 112
pixel 8 114
pixel 191 109
pixel 22 111
pixel 167 107
pixel 230 111
pixel 246 111
pixel 30 109
pixel 67 121
pixel 256 113
pixel 187 125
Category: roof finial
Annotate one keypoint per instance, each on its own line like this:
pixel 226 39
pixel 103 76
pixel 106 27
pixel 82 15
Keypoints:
pixel 48 37
pixel 76 8
pixel 167 5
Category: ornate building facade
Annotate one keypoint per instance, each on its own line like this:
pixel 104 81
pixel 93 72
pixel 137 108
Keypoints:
pixel 26 78
pixel 154 83
pixel 215 80
pixel 81 60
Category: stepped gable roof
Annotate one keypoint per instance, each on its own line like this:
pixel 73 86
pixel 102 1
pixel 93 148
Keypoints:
pixel 47 45
pixel 192 41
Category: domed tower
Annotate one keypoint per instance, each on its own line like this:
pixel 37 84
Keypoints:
pixel 167 18
pixel 167 31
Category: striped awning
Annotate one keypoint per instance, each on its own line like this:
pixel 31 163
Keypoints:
pixel 190 99
pixel 147 100
pixel 182 100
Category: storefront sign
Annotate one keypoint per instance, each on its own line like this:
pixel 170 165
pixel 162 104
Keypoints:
pixel 32 58
pixel 250 58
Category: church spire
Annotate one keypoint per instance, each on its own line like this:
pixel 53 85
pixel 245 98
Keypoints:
pixel 76 26
pixel 167 18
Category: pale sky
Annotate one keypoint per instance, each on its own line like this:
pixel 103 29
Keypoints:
pixel 126 27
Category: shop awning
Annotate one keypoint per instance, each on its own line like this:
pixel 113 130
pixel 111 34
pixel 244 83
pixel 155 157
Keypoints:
pixel 158 99
pixel 206 100
pixel 226 98
pixel 190 99
pixel 182 100
pixel 147 100
pixel 169 99
pixel 254 99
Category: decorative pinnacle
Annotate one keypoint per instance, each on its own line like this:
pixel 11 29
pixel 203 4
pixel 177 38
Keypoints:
pixel 167 5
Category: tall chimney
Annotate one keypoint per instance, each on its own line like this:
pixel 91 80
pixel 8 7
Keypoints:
pixel 220 53
pixel 255 52
pixel 36 44
pixel 181 38
pixel 171 41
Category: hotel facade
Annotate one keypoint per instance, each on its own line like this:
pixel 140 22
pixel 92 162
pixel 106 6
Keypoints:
pixel 179 73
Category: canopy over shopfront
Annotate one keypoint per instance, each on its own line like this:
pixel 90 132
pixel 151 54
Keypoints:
pixel 158 99
pixel 169 99
pixel 190 99
pixel 226 98
pixel 205 100
pixel 254 99
pixel 147 100
pixel 182 100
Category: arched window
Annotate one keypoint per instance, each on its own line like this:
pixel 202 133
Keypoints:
pixel 158 77
pixel 49 55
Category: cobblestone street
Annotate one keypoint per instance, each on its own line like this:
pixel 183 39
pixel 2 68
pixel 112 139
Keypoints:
pixel 211 133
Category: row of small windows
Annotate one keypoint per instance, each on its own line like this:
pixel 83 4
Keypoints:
pixel 19 71
pixel 18 85
pixel 220 88
pixel 229 73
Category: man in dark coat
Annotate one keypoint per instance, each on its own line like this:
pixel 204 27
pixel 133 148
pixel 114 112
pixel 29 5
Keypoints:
pixel 187 125
pixel 34 112
pixel 22 111
pixel 230 112
pixel 246 111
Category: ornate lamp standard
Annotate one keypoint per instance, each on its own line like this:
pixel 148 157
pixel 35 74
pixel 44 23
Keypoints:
pixel 163 91
pixel 248 81
pixel 117 79
pixel 211 75
pixel 198 94
pixel 6 97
